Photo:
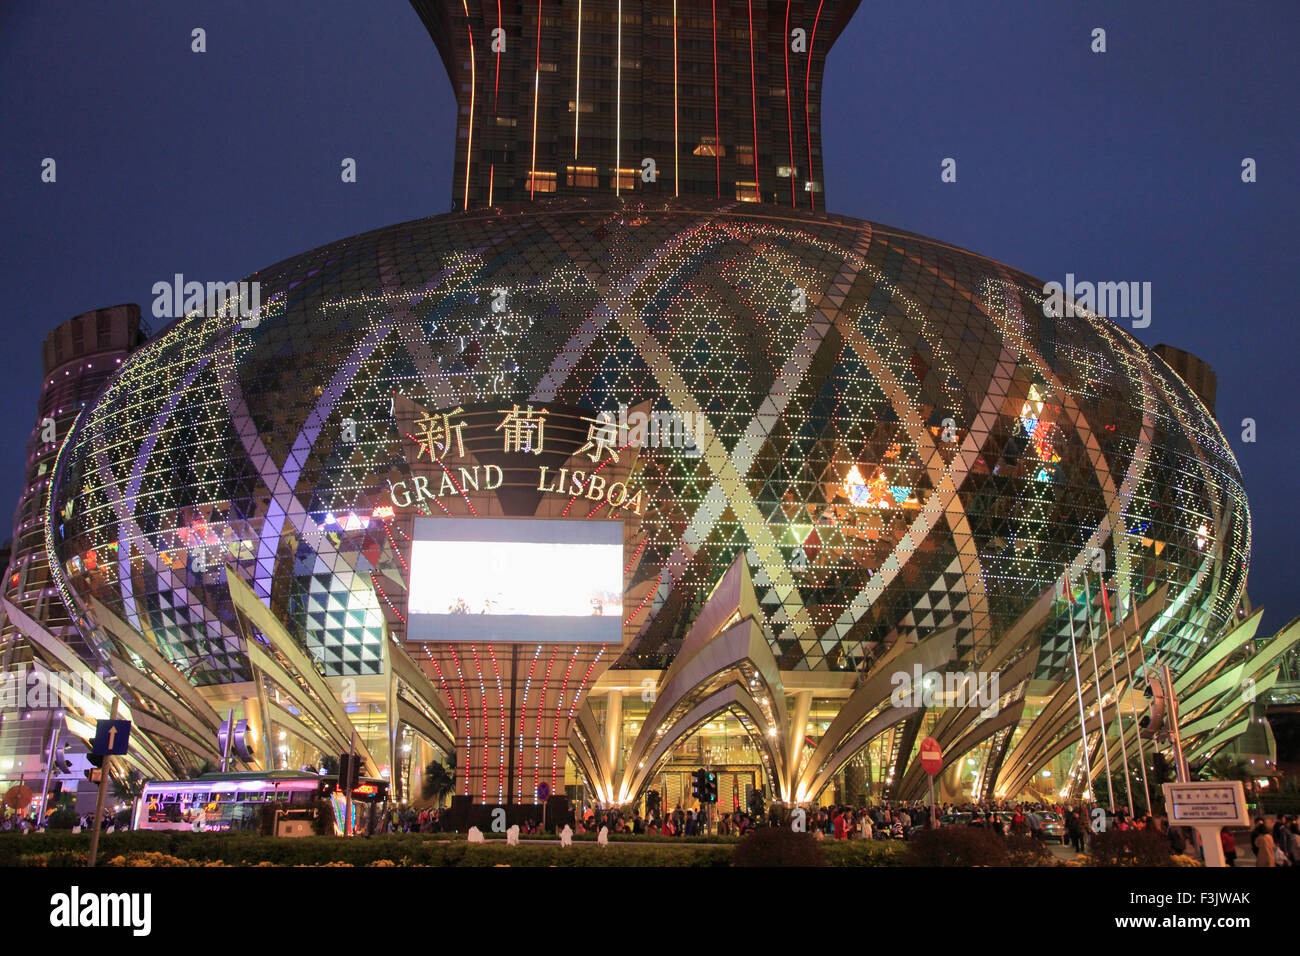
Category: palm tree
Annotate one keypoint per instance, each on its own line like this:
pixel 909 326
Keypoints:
pixel 129 788
pixel 1224 767
pixel 438 781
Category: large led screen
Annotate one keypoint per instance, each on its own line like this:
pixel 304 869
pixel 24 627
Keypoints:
pixel 501 579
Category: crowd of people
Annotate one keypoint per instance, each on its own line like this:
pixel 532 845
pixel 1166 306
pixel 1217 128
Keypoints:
pixel 25 822
pixel 1276 845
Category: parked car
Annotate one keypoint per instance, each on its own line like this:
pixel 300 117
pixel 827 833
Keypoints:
pixel 1053 826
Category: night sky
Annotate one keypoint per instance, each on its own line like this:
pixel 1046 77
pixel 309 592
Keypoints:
pixel 1123 166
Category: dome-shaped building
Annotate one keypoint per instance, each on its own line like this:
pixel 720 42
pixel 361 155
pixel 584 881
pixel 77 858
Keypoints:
pixel 620 465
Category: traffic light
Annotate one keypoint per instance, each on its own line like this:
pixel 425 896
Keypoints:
pixel 61 762
pixel 710 787
pixel 697 784
pixel 349 772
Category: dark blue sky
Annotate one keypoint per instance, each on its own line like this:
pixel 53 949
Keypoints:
pixel 1120 166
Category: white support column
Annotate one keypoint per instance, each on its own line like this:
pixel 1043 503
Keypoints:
pixel 614 734
pixel 798 728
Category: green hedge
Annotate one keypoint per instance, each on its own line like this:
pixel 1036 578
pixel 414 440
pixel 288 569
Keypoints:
pixel 864 852
pixel 66 849
pixel 412 849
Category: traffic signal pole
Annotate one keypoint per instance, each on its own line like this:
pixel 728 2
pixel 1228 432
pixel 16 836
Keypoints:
pixel 1180 762
pixel 49 762
pixel 99 801
pixel 225 744
pixel 352 762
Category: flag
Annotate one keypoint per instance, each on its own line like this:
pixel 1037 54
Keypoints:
pixel 1068 591
pixel 1105 600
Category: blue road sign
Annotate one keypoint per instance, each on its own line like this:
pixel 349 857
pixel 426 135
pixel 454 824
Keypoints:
pixel 111 737
pixel 543 791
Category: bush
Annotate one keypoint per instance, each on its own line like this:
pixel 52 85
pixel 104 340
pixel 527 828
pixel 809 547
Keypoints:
pixel 1130 848
pixel 957 846
pixel 248 849
pixel 1024 850
pixel 864 852
pixel 764 847
pixel 778 846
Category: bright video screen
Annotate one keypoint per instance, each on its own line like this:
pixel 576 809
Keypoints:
pixel 502 579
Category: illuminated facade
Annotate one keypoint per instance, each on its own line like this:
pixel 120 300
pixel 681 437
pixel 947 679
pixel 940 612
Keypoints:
pixel 880 453
pixel 573 99
pixel 77 358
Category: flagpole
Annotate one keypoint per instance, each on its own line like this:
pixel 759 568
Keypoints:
pixel 1114 682
pixel 1142 757
pixel 1101 709
pixel 1078 686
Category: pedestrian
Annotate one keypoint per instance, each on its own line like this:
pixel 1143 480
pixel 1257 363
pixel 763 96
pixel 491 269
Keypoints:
pixel 1229 843
pixel 1262 842
pixel 1177 841
pixel 1073 829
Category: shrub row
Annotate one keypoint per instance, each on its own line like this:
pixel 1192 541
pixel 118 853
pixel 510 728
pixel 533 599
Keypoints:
pixel 956 846
pixel 66 849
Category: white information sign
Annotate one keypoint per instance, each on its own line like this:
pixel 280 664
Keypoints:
pixel 1208 803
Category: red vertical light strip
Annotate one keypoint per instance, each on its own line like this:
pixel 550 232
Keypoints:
pixel 469 717
pixel 537 731
pixel 577 84
pixel 677 149
pixel 753 101
pixel 789 114
pixel 473 86
pixel 496 87
pixel 482 699
pixel 618 109
pixel 807 125
pixel 537 90
pixel 717 135
pixel 559 705
pixel 501 719
pixel 523 715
